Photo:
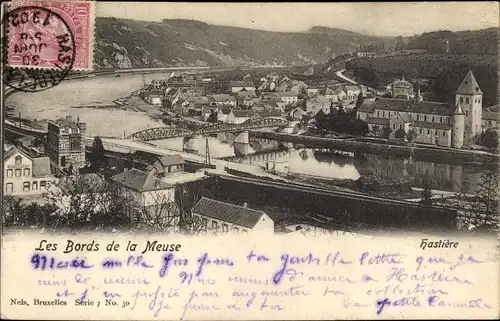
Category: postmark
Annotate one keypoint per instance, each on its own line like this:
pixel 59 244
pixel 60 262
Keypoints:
pixel 46 41
pixel 40 49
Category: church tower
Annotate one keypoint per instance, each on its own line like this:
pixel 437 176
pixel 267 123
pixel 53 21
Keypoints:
pixel 469 97
pixel 457 136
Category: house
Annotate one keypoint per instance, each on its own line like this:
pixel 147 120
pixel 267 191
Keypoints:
pixel 267 95
pixel 236 86
pixel 317 103
pixel 297 113
pixel 400 88
pixel 352 92
pixel 168 164
pixel 269 113
pixel 216 217
pixel 288 97
pixel 273 76
pixel 26 175
pixel 490 119
pixel 366 109
pixel 246 98
pixel 144 187
pixel 237 116
pixel 223 113
pixel 222 100
pixel 312 90
pixel 339 94
pixel 327 92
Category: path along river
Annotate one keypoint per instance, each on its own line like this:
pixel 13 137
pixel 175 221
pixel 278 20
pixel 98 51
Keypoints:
pixel 61 101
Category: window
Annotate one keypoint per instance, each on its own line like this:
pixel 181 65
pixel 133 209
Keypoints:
pixel 428 131
pixel 400 126
pixel 215 225
pixel 432 119
pixel 461 100
pixel 466 113
pixel 420 130
pixel 441 120
pixel 63 161
pixel 26 186
pixel 18 172
pixel 489 122
pixel 236 229
pixel 19 160
pixel 378 113
pixel 444 133
pixel 449 120
pixel 225 228
pixel 467 100
pixel 43 184
pixel 418 117
pixel 394 126
pixel 34 186
pixel 466 127
pixel 9 187
pixel 425 117
pixel 26 172
pixel 9 173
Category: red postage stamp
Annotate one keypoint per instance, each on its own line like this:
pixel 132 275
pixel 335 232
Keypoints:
pixel 51 34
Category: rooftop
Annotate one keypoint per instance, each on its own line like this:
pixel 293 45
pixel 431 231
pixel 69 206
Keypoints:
pixel 222 97
pixel 168 160
pixel 234 214
pixel 469 85
pixel 423 107
pixel 140 181
pixel 377 121
pixel 367 106
pixel 41 167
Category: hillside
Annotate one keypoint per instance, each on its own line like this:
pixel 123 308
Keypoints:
pixel 483 41
pixel 128 43
pixel 444 72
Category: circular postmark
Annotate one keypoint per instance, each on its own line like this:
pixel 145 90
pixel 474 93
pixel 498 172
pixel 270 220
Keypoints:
pixel 38 49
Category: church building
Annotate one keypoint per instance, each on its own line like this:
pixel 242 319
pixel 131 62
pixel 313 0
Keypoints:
pixel 432 122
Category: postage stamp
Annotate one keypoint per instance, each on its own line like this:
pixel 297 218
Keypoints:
pixel 36 37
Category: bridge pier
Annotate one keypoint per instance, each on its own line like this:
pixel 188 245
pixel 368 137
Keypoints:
pixel 190 144
pixel 242 138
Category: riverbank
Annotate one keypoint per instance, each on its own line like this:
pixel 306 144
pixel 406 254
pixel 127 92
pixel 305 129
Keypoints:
pixel 431 153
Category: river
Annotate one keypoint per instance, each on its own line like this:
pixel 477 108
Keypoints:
pixel 60 101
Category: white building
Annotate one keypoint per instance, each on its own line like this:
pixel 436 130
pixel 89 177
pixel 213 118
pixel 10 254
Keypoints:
pixel 144 187
pixel 215 217
pixel 288 97
pixel 237 86
pixel 24 175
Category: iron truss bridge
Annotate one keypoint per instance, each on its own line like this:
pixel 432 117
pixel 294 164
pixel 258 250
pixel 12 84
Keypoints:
pixel 166 132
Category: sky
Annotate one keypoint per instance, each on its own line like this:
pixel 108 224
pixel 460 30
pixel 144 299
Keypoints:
pixel 382 19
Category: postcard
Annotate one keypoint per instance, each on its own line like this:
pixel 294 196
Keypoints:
pixel 249 161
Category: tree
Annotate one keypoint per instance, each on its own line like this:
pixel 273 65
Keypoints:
pixel 360 100
pixel 482 207
pixel 489 139
pixel 426 192
pixel 212 118
pixel 386 132
pixel 400 134
pixel 411 135
pixel 97 158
